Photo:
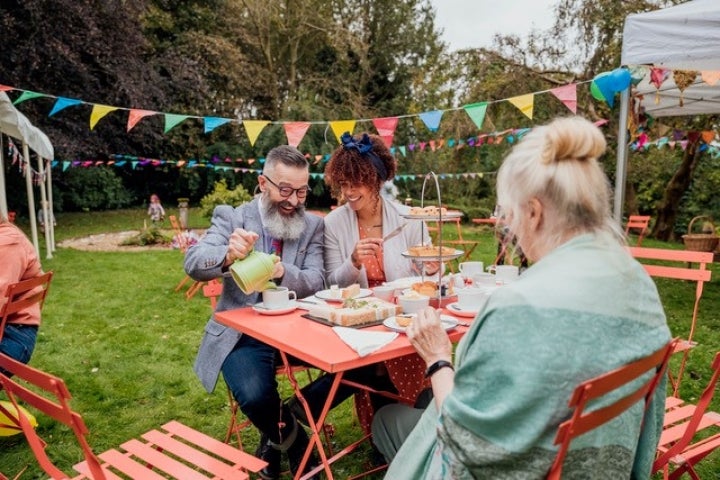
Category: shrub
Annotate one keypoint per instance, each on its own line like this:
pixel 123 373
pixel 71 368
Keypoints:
pixel 148 236
pixel 97 188
pixel 221 195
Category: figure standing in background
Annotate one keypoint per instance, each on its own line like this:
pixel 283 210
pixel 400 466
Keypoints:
pixel 156 210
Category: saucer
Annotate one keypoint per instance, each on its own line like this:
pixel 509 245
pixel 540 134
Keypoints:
pixel 263 310
pixel 447 322
pixel 328 296
pixel 461 312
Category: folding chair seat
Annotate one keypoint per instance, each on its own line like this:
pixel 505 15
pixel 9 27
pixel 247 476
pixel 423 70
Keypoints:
pixel 585 418
pixel 171 451
pixel 682 265
pixel 637 222
pixel 690 432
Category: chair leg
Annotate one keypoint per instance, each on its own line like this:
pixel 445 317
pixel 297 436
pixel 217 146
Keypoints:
pixel 194 288
pixel 182 282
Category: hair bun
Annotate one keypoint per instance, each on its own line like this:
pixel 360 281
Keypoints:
pixel 572 138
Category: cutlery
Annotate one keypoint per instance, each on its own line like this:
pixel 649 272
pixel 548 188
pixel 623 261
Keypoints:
pixel 394 232
pixel 311 302
pixel 463 324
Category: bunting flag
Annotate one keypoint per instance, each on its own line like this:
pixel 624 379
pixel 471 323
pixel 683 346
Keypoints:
pixel 385 127
pixel 98 112
pixel 657 78
pixel 172 120
pixel 567 94
pixel 62 103
pixel 341 126
pixel 524 103
pixel 253 129
pixel 28 95
pixel 211 123
pixel 709 77
pixel 136 115
pixel 5 88
pixel 295 132
pixel 432 119
pixel 476 112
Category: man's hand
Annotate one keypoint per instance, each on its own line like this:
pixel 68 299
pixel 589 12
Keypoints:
pixel 240 245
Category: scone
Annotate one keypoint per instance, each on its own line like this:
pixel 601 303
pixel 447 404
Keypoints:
pixel 404 319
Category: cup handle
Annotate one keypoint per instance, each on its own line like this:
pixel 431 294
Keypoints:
pixel 292 296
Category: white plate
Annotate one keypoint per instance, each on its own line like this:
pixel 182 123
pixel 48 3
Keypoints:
pixel 405 282
pixel 446 216
pixel 448 256
pixel 262 309
pixel 327 295
pixel 461 312
pixel 447 322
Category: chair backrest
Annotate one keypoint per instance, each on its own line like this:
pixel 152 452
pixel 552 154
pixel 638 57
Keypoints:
pixel 582 420
pixel 212 290
pixel 48 394
pixel 180 235
pixel 637 222
pixel 678 265
pixel 691 427
pixel 22 295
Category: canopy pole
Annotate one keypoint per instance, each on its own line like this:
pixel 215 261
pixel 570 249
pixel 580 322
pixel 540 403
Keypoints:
pixel 50 230
pixel 622 155
pixel 47 218
pixel 31 197
pixel 3 196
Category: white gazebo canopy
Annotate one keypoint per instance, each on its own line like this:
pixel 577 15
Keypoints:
pixel 16 125
pixel 683 37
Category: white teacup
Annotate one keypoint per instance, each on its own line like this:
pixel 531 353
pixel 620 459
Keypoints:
pixel 384 292
pixel 505 273
pixel 413 303
pixel 468 269
pixel 278 297
pixel 472 298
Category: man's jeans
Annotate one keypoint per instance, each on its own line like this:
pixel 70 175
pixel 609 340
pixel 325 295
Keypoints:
pixel 18 342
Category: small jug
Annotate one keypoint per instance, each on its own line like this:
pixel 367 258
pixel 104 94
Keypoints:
pixel 252 273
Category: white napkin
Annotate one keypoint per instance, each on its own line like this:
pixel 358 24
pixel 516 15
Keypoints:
pixel 364 343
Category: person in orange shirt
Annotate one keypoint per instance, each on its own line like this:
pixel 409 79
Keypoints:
pixel 19 262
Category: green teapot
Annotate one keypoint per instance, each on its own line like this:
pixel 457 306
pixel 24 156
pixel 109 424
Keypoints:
pixel 252 273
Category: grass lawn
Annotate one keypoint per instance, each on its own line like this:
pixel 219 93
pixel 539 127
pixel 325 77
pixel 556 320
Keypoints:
pixel 124 342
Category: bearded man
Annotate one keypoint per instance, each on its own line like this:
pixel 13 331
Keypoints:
pixel 273 222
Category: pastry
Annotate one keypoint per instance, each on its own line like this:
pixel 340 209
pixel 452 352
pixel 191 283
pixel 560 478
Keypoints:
pixel 404 319
pixel 344 293
pixel 427 288
pixel 429 251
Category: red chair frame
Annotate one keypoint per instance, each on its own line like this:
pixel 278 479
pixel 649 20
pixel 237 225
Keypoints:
pixel 583 421
pixel 23 294
pixel 682 422
pixel 637 222
pixel 681 269
pixel 174 451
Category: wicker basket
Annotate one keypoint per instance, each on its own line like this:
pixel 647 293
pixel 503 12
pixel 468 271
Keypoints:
pixel 700 242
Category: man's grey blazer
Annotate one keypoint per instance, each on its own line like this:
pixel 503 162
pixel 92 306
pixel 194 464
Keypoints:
pixel 302 259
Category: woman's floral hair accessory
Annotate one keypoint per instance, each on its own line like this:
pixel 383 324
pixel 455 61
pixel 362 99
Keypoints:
pixel 364 148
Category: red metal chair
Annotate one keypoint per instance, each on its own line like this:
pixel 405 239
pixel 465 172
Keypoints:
pixel 172 451
pixel 681 445
pixel 584 419
pixel 637 222
pixel 22 295
pixel 684 265
pixel 182 241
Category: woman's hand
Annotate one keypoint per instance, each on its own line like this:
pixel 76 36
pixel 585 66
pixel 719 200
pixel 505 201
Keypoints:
pixel 240 244
pixel 367 247
pixel 429 338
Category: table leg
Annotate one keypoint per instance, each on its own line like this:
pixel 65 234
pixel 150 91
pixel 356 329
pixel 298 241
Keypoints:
pixel 315 425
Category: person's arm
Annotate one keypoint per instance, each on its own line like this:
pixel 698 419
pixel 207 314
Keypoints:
pixel 433 345
pixel 206 259
pixel 339 266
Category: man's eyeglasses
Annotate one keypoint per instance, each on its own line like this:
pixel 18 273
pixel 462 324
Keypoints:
pixel 286 192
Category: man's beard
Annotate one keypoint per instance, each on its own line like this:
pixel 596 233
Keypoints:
pixel 281 225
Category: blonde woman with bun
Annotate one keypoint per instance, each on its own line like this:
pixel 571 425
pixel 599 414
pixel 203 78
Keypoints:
pixel 584 307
